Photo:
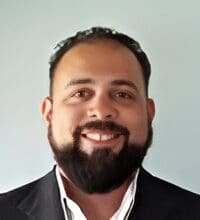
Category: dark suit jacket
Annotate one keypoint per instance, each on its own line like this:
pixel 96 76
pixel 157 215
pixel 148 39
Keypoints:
pixel 155 200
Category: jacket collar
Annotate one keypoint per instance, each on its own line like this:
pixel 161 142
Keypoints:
pixel 41 201
pixel 150 201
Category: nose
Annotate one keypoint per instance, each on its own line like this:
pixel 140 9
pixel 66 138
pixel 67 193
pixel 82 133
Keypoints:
pixel 102 108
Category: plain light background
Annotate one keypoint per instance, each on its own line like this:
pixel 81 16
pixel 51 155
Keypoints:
pixel 169 32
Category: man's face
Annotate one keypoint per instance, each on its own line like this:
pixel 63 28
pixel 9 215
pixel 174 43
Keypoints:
pixel 98 81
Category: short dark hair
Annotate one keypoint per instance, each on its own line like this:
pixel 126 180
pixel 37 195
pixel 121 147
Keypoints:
pixel 100 33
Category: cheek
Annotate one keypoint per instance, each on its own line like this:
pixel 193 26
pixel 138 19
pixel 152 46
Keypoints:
pixel 137 123
pixel 64 121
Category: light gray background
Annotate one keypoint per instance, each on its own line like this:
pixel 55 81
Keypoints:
pixel 169 32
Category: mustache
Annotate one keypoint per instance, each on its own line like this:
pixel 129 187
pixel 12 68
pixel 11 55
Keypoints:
pixel 102 125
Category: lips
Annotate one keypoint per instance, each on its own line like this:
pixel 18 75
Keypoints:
pixel 100 137
pixel 95 135
pixel 96 139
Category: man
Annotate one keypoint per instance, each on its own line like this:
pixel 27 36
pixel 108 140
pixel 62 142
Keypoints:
pixel 99 119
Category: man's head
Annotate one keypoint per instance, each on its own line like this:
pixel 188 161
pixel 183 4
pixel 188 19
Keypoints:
pixel 98 114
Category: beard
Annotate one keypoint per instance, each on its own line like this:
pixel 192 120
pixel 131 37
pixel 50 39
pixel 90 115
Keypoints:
pixel 103 170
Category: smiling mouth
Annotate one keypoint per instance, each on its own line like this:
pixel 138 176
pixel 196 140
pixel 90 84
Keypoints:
pixel 100 137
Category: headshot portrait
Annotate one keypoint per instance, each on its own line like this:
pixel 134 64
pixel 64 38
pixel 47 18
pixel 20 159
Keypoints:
pixel 103 123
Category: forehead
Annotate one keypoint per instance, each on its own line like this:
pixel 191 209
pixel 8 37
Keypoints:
pixel 100 59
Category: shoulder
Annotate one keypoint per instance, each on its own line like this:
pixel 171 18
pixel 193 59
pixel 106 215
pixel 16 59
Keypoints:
pixel 36 200
pixel 166 197
pixel 165 188
pixel 16 196
pixel 10 201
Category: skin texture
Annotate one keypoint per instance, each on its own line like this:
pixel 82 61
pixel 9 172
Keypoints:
pixel 98 80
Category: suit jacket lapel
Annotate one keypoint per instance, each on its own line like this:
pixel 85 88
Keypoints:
pixel 43 201
pixel 148 201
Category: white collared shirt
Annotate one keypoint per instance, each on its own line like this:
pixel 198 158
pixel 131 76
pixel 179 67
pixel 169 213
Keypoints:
pixel 73 212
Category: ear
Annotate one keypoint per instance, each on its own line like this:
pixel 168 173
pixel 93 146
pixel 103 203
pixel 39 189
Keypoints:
pixel 46 110
pixel 151 109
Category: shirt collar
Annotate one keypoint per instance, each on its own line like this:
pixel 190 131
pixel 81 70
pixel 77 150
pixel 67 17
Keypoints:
pixel 73 212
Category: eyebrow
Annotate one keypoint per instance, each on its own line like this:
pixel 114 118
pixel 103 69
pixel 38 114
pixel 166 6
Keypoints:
pixel 122 82
pixel 80 81
pixel 119 82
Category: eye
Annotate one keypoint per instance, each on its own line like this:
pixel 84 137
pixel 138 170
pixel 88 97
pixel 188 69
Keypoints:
pixel 81 93
pixel 123 95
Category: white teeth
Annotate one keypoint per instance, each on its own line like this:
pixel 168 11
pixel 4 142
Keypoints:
pixel 100 137
pixel 96 137
pixel 105 137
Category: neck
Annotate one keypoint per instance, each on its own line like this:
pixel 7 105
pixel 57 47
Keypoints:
pixel 92 209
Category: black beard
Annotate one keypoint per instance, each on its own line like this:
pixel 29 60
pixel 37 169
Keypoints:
pixel 103 170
